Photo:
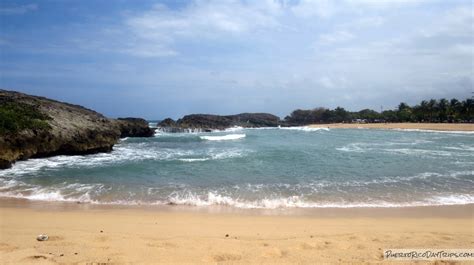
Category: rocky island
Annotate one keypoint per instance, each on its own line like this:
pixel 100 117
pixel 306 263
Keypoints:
pixel 134 127
pixel 32 126
pixel 208 122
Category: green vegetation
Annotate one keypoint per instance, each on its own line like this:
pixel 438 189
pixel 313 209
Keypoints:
pixel 442 110
pixel 15 117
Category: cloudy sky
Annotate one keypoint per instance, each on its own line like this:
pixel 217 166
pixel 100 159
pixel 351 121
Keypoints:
pixel 156 59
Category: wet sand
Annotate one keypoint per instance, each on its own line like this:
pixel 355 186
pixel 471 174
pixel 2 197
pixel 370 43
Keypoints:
pixel 83 233
pixel 409 126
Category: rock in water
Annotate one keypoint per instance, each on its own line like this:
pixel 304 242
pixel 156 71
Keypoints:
pixel 168 122
pixel 205 122
pixel 255 120
pixel 134 127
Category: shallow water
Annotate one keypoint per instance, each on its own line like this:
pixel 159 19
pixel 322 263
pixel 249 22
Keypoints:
pixel 261 168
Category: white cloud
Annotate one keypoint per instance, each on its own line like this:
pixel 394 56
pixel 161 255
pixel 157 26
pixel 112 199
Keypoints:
pixel 463 49
pixel 311 8
pixel 456 22
pixel 204 18
pixel 327 82
pixel 330 8
pixel 335 37
pixel 332 81
pixel 160 27
pixel 382 4
pixel 149 51
pixel 18 10
pixel 367 22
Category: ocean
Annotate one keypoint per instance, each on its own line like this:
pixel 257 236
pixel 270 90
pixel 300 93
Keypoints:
pixel 270 168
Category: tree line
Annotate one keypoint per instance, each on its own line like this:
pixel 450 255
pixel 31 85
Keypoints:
pixel 433 110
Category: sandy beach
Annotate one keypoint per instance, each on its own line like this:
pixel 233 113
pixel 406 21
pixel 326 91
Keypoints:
pixel 410 126
pixel 111 235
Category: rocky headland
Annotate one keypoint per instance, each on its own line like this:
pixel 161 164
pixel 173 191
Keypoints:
pixel 32 126
pixel 208 122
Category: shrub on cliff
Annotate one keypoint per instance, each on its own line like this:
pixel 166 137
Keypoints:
pixel 15 116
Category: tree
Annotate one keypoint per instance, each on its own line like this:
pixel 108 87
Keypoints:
pixel 390 116
pixel 467 110
pixel 404 112
pixel 432 106
pixel 442 109
pixel 367 114
pixel 454 109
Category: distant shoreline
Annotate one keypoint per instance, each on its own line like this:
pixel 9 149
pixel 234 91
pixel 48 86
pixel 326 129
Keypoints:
pixel 468 127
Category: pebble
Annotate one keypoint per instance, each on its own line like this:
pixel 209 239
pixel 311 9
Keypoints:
pixel 42 237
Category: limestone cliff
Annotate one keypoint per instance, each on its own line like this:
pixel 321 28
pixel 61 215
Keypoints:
pixel 32 126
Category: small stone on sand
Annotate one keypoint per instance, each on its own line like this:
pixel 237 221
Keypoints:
pixel 42 237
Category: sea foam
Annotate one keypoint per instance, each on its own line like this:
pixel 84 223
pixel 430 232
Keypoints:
pixel 305 128
pixel 433 131
pixel 223 137
pixel 215 199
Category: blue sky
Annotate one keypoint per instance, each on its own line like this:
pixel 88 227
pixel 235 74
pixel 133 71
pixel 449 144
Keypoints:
pixel 157 59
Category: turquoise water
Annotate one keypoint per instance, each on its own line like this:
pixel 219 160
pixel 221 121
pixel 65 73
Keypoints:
pixel 261 168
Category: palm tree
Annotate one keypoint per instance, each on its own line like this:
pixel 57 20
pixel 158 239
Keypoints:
pixel 454 107
pixel 467 111
pixel 432 105
pixel 424 109
pixel 442 107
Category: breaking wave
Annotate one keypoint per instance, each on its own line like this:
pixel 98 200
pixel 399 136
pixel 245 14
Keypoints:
pixel 121 154
pixel 407 148
pixel 223 137
pixel 266 194
pixel 216 199
pixel 212 199
pixel 433 131
pixel 305 128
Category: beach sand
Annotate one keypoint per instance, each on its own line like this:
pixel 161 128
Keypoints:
pixel 92 234
pixel 411 126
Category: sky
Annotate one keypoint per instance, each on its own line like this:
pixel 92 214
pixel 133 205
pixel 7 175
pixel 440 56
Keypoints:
pixel 158 59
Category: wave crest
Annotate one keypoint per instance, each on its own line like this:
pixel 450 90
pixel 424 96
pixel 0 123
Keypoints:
pixel 223 137
pixel 305 128
pixel 215 199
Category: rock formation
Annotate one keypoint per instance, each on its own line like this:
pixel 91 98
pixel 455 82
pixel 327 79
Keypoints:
pixel 206 122
pixel 32 126
pixel 134 127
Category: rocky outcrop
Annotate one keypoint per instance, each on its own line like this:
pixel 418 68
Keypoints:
pixel 32 126
pixel 169 125
pixel 255 120
pixel 134 127
pixel 168 122
pixel 206 122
